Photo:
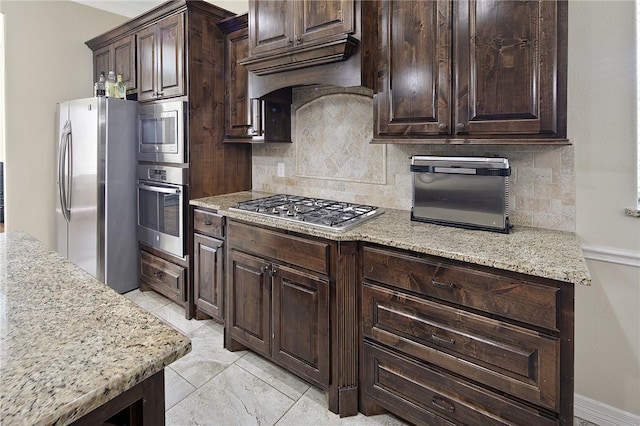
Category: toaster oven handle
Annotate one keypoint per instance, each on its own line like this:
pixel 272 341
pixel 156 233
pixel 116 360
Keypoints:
pixel 163 189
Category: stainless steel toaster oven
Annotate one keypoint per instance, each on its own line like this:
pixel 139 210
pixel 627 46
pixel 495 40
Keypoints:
pixel 466 192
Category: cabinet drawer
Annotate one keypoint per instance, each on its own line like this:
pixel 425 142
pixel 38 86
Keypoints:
pixel 426 395
pixel 513 298
pixel 163 276
pixel 512 359
pixel 208 223
pixel 303 252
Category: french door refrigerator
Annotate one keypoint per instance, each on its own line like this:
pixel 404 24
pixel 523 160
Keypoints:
pixel 96 188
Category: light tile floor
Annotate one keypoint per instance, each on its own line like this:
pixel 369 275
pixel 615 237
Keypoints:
pixel 212 386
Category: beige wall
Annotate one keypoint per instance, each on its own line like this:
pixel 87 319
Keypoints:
pixel 602 125
pixel 46 62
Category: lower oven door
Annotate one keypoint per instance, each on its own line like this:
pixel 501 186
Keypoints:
pixel 160 217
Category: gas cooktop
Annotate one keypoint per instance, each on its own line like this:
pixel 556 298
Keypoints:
pixel 327 214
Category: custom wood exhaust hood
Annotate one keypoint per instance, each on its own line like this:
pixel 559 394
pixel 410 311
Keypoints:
pixel 307 42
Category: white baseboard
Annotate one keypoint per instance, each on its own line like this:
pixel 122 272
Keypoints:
pixel 602 414
pixel 605 254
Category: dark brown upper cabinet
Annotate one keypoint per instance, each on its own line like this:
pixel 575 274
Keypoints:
pixel 161 59
pixel 120 57
pixel 291 34
pixel 483 71
pixel 250 120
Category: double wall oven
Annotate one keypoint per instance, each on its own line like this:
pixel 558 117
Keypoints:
pixel 162 176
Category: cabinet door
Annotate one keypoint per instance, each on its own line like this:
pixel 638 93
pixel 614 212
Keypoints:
pixel 249 287
pixel 147 63
pixel 507 67
pixel 271 25
pixel 414 69
pixel 319 19
pixel 124 60
pixel 102 62
pixel 301 323
pixel 207 276
pixel 238 117
pixel 170 33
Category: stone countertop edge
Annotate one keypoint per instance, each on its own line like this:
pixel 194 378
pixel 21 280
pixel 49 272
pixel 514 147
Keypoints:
pixel 69 342
pixel 539 252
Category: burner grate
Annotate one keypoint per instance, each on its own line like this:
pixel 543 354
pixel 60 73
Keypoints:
pixel 330 214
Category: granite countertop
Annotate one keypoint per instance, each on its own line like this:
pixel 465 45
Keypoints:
pixel 539 252
pixel 69 343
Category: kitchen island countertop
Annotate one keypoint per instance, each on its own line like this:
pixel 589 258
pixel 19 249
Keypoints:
pixel 539 252
pixel 69 343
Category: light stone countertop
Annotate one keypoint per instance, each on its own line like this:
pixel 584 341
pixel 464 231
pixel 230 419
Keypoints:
pixel 539 252
pixel 69 343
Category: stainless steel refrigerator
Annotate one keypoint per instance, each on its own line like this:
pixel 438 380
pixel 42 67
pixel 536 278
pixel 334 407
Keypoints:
pixel 96 188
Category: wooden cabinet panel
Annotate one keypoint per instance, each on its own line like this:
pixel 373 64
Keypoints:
pixel 281 24
pixel 124 57
pixel 163 276
pixel 147 71
pixel 319 19
pixel 238 116
pixel 496 294
pixel 303 252
pixel 507 64
pixel 472 71
pixel 161 59
pixel 301 323
pixel 249 300
pixel 512 359
pixel 271 25
pixel 102 62
pixel 207 276
pixel 208 223
pixel 427 396
pixel 415 65
pixel 171 56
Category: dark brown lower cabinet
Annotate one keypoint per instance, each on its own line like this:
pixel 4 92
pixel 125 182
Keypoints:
pixel 164 276
pixel 292 299
pixel 445 342
pixel 281 313
pixel 207 275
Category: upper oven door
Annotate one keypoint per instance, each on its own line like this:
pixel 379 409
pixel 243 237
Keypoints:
pixel 161 132
pixel 161 216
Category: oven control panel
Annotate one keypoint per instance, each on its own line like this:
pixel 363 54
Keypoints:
pixel 157 174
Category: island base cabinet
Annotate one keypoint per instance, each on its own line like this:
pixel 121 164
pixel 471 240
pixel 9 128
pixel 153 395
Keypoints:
pixel 142 405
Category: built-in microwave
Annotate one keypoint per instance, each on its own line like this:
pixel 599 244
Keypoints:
pixel 162 132
pixel 162 202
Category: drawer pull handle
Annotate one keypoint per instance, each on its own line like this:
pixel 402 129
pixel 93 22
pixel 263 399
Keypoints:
pixel 443 404
pixel 158 274
pixel 207 223
pixel 448 286
pixel 439 339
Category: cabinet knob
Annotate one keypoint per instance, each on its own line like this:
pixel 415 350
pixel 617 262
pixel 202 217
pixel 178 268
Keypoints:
pixel 289 40
pixel 264 269
pixel 298 39
pixel 442 127
pixel 251 131
pixel 460 127
pixel 159 93
pixel 273 272
pixel 158 274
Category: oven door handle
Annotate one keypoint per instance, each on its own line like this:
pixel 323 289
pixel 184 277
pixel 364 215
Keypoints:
pixel 163 189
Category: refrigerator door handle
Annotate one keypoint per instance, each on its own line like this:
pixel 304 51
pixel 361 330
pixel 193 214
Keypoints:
pixel 64 191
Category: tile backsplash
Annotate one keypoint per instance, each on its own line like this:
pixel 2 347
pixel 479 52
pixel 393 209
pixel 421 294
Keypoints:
pixel 331 157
